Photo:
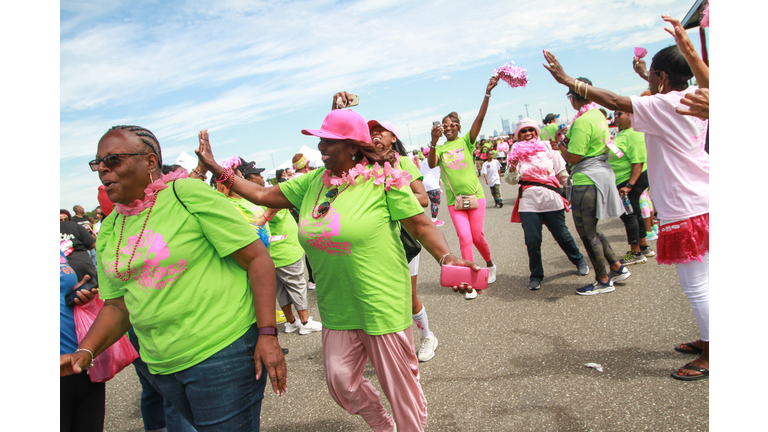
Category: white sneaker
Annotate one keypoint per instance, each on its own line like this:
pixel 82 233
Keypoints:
pixel 470 295
pixel 492 274
pixel 427 348
pixel 310 285
pixel 311 326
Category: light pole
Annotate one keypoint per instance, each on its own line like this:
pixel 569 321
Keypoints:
pixel 526 111
pixel 542 116
pixel 409 134
pixel 273 160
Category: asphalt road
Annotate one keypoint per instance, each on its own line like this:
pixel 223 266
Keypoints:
pixel 513 359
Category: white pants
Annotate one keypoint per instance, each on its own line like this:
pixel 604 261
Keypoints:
pixel 694 280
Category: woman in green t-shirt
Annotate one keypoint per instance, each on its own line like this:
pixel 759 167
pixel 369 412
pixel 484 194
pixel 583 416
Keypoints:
pixel 458 174
pixel 593 195
pixel 348 226
pixel 184 268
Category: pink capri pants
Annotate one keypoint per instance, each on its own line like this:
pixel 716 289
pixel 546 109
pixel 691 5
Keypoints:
pixel 469 229
pixel 344 355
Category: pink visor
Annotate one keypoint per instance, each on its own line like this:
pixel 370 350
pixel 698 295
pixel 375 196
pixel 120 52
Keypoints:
pixel 386 125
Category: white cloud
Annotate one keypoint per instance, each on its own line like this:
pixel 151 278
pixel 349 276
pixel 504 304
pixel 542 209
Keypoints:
pixel 189 65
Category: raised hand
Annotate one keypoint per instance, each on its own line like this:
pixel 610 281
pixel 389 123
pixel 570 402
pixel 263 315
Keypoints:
pixel 492 83
pixel 205 154
pixel 340 100
pixel 554 67
pixel 640 68
pixel 682 40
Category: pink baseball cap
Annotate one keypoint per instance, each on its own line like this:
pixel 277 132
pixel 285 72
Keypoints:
pixel 342 124
pixel 386 125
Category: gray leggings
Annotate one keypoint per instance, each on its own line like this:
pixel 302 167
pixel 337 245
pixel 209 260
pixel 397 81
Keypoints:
pixel 584 206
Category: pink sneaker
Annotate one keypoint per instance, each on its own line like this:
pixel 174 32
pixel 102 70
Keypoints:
pixel 438 222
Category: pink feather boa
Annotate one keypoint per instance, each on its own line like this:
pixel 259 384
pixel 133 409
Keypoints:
pixel 526 150
pixel 139 205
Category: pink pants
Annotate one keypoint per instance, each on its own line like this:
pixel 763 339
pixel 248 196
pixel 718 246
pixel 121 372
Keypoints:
pixel 469 228
pixel 392 355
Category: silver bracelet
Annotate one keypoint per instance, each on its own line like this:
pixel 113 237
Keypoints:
pixel 443 258
pixel 88 351
pixel 487 95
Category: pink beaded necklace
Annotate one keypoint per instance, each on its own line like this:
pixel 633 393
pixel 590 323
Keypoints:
pixel 127 276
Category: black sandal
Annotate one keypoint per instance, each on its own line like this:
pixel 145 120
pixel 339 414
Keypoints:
pixel 704 373
pixel 693 349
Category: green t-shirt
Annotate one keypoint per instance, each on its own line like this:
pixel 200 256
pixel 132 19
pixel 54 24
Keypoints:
pixel 548 132
pixel 587 137
pixel 189 298
pixel 254 215
pixel 632 144
pixel 284 251
pixel 358 261
pixel 456 167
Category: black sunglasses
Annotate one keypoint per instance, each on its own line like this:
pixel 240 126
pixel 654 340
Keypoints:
pixel 527 130
pixel 617 114
pixel 111 160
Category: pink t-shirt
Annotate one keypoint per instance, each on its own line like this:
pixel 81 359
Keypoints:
pixel 678 166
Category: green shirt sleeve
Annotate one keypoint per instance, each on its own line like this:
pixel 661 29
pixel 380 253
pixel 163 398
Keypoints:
pixel 408 165
pixel 295 188
pixel 222 224
pixel 402 203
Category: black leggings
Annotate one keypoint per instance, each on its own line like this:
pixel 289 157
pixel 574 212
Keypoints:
pixel 634 223
pixel 81 404
pixel 584 206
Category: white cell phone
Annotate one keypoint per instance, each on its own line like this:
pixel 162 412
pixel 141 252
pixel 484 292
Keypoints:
pixel 435 124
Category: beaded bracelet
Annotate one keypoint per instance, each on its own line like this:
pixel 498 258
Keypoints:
pixel 225 175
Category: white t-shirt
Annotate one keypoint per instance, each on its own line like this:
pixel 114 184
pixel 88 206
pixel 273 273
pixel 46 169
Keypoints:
pixel 678 166
pixel 431 176
pixel 491 170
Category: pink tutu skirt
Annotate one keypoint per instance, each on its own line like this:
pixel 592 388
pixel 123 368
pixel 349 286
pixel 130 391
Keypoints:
pixel 683 241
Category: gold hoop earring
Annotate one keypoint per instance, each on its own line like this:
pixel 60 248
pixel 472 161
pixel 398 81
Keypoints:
pixel 151 180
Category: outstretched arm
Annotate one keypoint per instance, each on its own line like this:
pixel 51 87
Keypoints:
pixel 269 197
pixel 603 97
pixel 475 131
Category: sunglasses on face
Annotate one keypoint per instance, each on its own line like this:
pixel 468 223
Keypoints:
pixel 527 130
pixel 111 160
pixel 618 114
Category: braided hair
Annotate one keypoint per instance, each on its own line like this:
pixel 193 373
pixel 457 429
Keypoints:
pixel 147 137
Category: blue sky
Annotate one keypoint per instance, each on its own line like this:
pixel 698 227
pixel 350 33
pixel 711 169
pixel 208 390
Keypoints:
pixel 256 72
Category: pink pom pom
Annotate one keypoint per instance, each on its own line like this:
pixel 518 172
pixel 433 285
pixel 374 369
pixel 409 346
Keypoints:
pixel 515 76
pixel 640 53
pixel 704 21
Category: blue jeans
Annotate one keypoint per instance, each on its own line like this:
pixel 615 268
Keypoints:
pixel 220 393
pixel 555 222
pixel 157 413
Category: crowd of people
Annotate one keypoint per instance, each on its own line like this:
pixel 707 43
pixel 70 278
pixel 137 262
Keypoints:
pixel 192 271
